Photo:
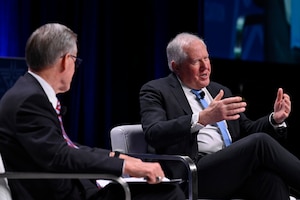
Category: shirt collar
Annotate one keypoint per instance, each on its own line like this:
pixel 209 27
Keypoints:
pixel 47 89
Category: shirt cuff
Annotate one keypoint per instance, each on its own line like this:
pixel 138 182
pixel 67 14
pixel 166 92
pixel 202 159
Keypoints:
pixel 195 126
pixel 283 124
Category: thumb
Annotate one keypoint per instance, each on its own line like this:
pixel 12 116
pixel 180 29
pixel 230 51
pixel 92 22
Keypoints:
pixel 219 96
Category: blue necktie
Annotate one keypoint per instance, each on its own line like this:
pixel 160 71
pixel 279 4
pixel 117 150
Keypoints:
pixel 221 124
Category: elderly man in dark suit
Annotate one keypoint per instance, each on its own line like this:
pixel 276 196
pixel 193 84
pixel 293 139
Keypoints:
pixel 253 165
pixel 32 138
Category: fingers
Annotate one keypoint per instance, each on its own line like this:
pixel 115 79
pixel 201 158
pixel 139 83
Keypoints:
pixel 282 106
pixel 156 174
pixel 231 102
pixel 219 96
pixel 157 179
pixel 282 100
pixel 231 107
pixel 240 106
pixel 154 179
pixel 152 171
pixel 279 94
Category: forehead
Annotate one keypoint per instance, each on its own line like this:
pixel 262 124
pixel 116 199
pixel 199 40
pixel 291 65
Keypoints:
pixel 195 49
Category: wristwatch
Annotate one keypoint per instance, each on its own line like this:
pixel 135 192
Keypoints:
pixel 280 128
pixel 117 154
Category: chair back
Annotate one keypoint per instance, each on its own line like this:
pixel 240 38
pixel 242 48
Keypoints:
pixel 128 138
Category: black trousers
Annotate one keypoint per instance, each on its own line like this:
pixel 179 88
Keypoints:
pixel 255 167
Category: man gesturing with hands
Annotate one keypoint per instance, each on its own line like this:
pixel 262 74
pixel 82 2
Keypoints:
pixel 253 166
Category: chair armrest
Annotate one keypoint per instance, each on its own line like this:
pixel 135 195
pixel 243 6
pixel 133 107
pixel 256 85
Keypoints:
pixel 188 162
pixel 42 175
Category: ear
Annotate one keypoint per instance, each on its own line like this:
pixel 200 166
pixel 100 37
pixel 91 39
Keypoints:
pixel 64 62
pixel 175 67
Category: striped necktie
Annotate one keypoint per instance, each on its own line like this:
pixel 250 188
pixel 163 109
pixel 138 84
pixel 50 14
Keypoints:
pixel 58 109
pixel 221 124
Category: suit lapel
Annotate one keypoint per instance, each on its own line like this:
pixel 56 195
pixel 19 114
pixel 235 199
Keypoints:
pixel 178 93
pixel 213 90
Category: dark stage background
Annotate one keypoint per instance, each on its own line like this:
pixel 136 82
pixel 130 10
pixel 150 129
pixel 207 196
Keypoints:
pixel 122 44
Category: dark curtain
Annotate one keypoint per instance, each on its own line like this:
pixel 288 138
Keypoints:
pixel 122 44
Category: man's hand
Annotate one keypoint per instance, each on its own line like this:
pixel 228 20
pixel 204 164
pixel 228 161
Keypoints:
pixel 282 106
pixel 152 171
pixel 222 109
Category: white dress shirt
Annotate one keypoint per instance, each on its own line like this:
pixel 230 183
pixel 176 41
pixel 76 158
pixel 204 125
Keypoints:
pixel 209 137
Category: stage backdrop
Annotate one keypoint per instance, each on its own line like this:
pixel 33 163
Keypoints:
pixel 122 44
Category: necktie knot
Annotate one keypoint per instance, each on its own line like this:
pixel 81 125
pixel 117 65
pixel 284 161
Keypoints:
pixel 58 107
pixel 199 93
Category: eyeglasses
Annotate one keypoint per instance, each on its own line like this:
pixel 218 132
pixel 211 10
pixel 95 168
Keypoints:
pixel 78 61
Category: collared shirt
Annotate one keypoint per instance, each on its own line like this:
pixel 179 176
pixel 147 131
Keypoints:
pixel 52 95
pixel 47 88
pixel 209 137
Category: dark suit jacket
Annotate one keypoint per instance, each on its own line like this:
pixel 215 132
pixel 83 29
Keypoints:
pixel 166 119
pixel 31 140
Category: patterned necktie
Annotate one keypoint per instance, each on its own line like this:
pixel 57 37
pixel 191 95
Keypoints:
pixel 70 143
pixel 221 124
